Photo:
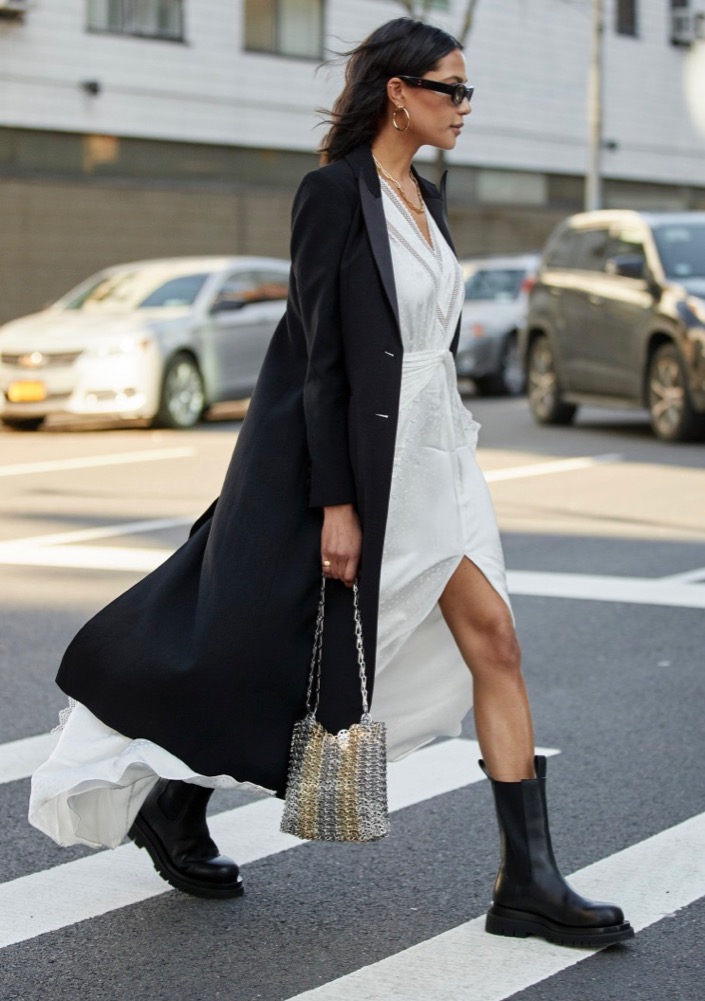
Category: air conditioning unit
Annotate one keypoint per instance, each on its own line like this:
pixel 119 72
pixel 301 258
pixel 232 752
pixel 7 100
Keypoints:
pixel 13 8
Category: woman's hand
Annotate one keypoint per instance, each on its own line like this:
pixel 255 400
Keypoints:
pixel 341 543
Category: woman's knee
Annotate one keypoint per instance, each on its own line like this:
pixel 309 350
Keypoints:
pixel 500 646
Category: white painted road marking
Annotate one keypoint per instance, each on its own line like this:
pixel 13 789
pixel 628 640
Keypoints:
pixel 90 534
pixel 549 468
pixel 650 880
pixel 45 901
pixel 92 461
pixel 680 591
pixel 689 577
pixel 19 758
pixel 85 557
pixel 591 587
pixel 55 550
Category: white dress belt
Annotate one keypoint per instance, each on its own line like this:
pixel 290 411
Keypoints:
pixel 419 367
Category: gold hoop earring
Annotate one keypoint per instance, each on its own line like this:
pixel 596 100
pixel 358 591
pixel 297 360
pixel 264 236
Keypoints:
pixel 394 118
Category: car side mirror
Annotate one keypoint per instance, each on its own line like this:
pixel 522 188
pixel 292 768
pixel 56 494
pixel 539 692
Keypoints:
pixel 626 266
pixel 227 304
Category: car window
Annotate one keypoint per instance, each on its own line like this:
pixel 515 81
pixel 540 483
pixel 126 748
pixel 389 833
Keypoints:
pixel 682 249
pixel 497 284
pixel 588 251
pixel 559 252
pixel 625 244
pixel 273 285
pixel 180 291
pixel 254 286
pixel 582 249
pixel 127 290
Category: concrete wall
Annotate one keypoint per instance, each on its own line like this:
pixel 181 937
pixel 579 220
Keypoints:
pixel 55 234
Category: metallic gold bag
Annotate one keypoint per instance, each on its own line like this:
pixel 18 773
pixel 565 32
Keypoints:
pixel 336 788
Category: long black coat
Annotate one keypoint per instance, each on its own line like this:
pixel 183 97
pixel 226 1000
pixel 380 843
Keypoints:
pixel 208 656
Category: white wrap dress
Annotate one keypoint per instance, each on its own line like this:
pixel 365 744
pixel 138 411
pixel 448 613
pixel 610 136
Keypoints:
pixel 92 786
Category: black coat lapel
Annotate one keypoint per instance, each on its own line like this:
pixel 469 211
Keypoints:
pixel 375 220
pixel 362 163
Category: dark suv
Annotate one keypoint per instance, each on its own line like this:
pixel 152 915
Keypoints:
pixel 617 318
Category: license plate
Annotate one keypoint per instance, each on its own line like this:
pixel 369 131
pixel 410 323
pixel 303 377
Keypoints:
pixel 28 391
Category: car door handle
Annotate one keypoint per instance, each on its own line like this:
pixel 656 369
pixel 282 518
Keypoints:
pixel 555 291
pixel 596 300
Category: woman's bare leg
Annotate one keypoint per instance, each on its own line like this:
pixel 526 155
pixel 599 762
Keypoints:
pixel 484 632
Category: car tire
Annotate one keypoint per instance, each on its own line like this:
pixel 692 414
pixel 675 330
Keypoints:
pixel 182 399
pixel 545 401
pixel 670 407
pixel 22 423
pixel 509 379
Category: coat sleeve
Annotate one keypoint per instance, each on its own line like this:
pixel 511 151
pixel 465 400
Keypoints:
pixel 322 215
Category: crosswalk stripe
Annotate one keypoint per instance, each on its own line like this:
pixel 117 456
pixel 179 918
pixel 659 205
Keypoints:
pixel 75 891
pixel 591 587
pixel 549 468
pixel 650 880
pixel 677 592
pixel 91 461
pixel 91 534
pixel 142 560
pixel 19 758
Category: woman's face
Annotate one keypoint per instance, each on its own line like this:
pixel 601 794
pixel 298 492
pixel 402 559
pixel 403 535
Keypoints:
pixel 433 118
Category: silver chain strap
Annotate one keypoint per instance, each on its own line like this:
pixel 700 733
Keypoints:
pixel 314 678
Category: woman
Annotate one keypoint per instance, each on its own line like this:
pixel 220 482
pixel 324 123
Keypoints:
pixel 357 456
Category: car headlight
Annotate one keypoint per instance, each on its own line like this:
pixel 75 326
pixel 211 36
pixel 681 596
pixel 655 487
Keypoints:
pixel 125 346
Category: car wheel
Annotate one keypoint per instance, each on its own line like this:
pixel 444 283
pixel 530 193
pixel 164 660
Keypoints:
pixel 23 423
pixel 545 402
pixel 512 373
pixel 509 379
pixel 183 398
pixel 672 415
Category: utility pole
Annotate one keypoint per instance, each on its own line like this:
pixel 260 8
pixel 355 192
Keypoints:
pixel 593 178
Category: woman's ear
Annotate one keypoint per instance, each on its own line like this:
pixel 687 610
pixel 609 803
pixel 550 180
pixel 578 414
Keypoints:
pixel 395 91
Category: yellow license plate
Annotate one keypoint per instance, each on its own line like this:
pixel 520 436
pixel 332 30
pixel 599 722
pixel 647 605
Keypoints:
pixel 28 391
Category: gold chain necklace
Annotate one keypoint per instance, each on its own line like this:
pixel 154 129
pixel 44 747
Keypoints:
pixel 419 209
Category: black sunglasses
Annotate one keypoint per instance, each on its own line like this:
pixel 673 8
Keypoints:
pixel 457 92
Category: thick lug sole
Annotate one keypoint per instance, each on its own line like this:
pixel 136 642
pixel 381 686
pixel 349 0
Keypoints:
pixel 520 924
pixel 144 837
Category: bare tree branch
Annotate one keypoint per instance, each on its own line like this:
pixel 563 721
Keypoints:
pixel 467 23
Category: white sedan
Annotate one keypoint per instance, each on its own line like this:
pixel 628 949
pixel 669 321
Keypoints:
pixel 160 339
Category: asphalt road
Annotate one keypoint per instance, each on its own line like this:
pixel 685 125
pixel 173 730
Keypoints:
pixel 603 530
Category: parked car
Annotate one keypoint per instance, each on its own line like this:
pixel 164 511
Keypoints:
pixel 159 339
pixel 617 318
pixel 496 297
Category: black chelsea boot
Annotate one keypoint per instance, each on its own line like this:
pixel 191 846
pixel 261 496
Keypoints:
pixel 530 895
pixel 172 827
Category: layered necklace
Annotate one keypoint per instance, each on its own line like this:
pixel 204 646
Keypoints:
pixel 418 209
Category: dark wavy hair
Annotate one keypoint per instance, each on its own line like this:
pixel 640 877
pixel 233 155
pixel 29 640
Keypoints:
pixel 402 46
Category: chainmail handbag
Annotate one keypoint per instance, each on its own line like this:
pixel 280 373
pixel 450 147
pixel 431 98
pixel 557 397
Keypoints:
pixel 337 783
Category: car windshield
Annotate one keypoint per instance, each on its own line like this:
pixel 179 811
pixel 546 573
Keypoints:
pixel 681 247
pixel 128 290
pixel 496 284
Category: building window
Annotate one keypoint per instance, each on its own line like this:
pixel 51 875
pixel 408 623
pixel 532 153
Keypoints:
pixel 286 27
pixel 626 14
pixel 146 18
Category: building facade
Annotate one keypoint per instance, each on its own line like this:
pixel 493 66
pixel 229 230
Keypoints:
pixel 139 128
